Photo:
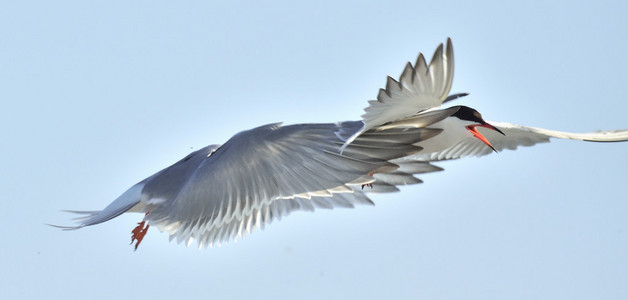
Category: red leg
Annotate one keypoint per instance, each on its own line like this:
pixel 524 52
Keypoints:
pixel 368 184
pixel 139 232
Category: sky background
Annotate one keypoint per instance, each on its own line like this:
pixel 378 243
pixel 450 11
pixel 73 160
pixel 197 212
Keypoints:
pixel 97 96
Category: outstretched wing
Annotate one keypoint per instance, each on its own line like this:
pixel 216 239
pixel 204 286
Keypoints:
pixel 420 87
pixel 514 136
pixel 267 172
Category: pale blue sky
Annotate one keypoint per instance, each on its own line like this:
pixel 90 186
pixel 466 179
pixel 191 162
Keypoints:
pixel 96 97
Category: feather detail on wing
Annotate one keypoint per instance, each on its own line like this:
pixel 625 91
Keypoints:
pixel 265 173
pixel 420 87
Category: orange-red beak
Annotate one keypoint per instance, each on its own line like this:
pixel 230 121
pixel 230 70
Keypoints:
pixel 473 129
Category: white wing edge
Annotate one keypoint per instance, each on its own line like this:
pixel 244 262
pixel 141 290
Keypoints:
pixel 597 136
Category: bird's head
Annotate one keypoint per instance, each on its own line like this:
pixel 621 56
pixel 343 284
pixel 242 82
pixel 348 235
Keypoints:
pixel 472 120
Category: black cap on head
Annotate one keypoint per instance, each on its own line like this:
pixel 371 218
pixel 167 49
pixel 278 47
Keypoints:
pixel 466 113
pixel 469 114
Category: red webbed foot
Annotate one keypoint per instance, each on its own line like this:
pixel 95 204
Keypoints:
pixel 139 232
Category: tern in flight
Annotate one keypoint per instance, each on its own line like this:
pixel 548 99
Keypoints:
pixel 223 192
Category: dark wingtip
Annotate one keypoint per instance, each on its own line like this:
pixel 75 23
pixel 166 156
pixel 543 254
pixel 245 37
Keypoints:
pixel 455 96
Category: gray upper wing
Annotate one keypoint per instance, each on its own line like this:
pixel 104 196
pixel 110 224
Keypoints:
pixel 266 172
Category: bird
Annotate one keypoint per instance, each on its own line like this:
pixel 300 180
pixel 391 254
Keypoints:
pixel 224 192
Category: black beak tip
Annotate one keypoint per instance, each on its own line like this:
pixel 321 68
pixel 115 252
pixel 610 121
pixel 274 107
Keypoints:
pixel 497 129
pixel 493 148
pixel 494 128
